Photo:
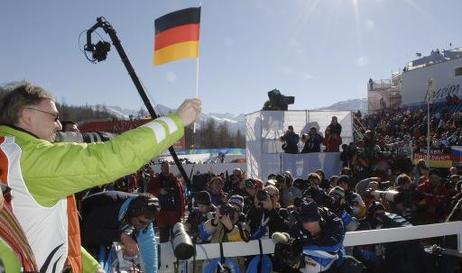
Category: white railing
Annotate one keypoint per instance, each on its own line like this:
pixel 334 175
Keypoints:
pixel 236 249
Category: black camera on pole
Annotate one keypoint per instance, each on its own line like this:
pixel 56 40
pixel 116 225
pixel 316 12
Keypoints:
pixel 277 101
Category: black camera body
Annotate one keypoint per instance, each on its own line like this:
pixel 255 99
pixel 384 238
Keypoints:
pixel 227 210
pixel 277 101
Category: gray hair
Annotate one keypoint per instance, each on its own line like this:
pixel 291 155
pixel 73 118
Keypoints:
pixel 15 96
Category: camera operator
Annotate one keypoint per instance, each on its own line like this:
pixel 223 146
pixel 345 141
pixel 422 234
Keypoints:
pixel 312 141
pixel 203 211
pixel 314 191
pixel 290 139
pixel 341 209
pixel 406 202
pixel 228 225
pixel 353 200
pixel 264 218
pixel 170 192
pixel 322 231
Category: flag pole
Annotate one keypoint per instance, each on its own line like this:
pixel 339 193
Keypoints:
pixel 197 87
pixel 197 77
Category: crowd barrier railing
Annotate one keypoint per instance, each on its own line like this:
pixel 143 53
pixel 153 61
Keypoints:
pixel 237 249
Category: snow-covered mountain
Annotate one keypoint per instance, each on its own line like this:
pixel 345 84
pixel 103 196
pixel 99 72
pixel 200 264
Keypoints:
pixel 236 121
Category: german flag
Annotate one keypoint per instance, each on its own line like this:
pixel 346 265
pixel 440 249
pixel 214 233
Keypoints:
pixel 177 36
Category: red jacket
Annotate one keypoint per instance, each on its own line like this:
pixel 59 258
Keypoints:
pixel 332 144
pixel 168 216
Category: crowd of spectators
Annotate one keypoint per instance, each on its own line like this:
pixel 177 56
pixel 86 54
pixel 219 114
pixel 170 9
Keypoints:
pixel 378 187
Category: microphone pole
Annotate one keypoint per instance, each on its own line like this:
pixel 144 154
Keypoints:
pixel 101 22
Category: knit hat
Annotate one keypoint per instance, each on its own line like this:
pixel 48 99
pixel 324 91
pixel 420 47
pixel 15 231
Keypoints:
pixel 236 201
pixel 203 198
pixel 309 212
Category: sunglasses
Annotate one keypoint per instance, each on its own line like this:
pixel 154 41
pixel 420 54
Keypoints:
pixel 54 115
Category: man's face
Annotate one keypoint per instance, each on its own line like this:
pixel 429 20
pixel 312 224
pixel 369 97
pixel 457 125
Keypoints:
pixel 41 120
pixel 165 168
pixel 312 227
pixel 203 208
pixel 71 127
pixel 140 222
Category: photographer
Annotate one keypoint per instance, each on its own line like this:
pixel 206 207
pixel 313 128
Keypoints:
pixel 314 191
pixel 341 209
pixel 228 224
pixel 407 202
pixel 322 231
pixel 290 139
pixel 264 218
pixel 353 200
pixel 312 141
pixel 171 195
pixel 202 212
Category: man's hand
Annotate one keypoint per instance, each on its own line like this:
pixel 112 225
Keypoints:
pixel 130 246
pixel 189 111
pixel 100 270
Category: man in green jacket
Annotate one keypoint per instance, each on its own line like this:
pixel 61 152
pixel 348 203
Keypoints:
pixel 42 174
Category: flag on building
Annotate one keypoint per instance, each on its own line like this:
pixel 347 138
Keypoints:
pixel 177 36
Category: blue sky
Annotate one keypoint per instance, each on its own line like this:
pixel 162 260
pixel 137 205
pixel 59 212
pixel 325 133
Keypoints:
pixel 320 51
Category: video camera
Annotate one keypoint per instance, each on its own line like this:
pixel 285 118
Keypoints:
pixel 277 101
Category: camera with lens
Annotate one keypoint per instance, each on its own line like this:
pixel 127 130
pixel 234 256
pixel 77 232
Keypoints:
pixel 227 210
pixel 389 195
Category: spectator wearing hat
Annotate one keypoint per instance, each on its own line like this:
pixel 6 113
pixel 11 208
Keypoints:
pixel 319 229
pixel 202 211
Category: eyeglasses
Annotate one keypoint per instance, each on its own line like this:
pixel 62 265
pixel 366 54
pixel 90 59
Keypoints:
pixel 54 115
